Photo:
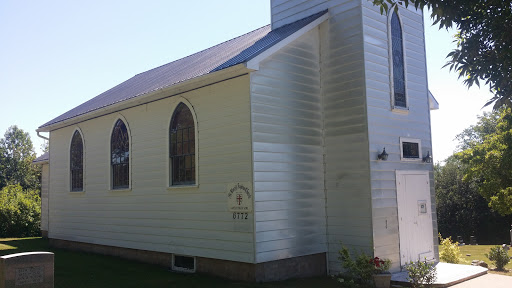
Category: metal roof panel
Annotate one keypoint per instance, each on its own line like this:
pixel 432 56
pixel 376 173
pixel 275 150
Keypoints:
pixel 227 54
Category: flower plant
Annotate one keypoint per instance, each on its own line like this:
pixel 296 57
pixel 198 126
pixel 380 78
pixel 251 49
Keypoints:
pixel 380 266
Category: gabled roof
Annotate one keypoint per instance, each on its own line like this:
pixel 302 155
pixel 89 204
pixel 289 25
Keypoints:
pixel 43 159
pixel 230 53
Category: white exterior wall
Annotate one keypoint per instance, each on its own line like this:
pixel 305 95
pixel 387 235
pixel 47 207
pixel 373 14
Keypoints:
pixel 45 175
pixel 287 140
pixel 359 122
pixel 343 98
pixel 190 221
pixel 287 11
pixel 346 132
pixel 386 127
pixel 347 171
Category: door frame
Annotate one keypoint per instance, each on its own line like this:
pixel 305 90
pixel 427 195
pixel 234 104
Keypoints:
pixel 398 174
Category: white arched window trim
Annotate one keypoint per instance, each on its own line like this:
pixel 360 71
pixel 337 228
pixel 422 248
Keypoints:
pixel 196 158
pixel 395 108
pixel 130 163
pixel 70 183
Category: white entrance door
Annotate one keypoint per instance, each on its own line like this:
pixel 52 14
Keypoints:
pixel 414 216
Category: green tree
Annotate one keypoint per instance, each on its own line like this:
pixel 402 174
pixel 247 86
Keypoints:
pixel 489 165
pixel 461 210
pixel 16 156
pixel 484 40
pixel 475 134
pixel 20 212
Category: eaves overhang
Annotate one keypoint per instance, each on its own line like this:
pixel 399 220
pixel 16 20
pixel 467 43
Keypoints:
pixel 158 94
pixel 228 59
pixel 254 63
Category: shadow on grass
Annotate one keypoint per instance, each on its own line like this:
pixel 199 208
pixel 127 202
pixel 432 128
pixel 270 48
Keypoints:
pixel 84 270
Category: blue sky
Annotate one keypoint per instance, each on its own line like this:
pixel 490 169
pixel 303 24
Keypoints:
pixel 55 55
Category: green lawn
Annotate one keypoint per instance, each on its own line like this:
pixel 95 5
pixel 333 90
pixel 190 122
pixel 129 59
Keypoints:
pixel 477 253
pixel 75 269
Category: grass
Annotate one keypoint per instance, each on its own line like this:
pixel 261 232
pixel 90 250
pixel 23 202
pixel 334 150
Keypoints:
pixel 76 269
pixel 477 253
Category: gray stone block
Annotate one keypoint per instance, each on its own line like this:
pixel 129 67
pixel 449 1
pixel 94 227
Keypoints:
pixel 27 270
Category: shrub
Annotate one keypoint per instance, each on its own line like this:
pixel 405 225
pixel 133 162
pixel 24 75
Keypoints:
pixel 361 268
pixel 421 273
pixel 498 256
pixel 450 252
pixel 20 212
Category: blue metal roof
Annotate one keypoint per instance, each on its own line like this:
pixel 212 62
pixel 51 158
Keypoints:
pixel 230 53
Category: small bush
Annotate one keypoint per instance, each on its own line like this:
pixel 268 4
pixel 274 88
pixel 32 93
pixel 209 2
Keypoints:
pixel 450 252
pixel 360 269
pixel 421 273
pixel 498 256
pixel 20 212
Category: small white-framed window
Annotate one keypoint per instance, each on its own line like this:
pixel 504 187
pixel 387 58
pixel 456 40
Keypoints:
pixel 410 149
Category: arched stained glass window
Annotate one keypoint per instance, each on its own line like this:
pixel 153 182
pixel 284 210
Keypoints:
pixel 182 147
pixel 120 156
pixel 400 99
pixel 77 162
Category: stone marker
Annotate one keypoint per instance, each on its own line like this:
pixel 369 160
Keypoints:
pixel 460 240
pixel 483 264
pixel 27 270
pixel 472 240
pixel 479 263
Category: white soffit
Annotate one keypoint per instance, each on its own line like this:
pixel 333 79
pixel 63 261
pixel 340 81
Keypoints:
pixel 254 63
pixel 432 102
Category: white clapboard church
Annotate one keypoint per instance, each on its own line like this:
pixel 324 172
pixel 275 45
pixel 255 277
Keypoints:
pixel 255 158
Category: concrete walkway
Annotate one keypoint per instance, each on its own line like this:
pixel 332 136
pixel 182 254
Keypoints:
pixel 487 281
pixel 448 275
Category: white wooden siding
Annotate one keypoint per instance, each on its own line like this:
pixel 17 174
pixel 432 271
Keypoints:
pixel 288 11
pixel 346 132
pixel 288 152
pixel 386 127
pixel 45 175
pixel 192 221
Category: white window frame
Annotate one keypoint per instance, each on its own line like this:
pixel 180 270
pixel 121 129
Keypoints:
pixel 109 139
pixel 398 109
pixel 70 182
pixel 196 129
pixel 410 140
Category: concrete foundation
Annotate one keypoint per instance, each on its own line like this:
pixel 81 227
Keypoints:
pixel 297 267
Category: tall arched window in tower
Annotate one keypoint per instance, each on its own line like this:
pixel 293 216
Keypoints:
pixel 120 156
pixel 76 164
pixel 182 147
pixel 399 97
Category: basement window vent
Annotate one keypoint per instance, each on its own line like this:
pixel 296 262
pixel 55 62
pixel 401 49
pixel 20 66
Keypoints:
pixel 184 263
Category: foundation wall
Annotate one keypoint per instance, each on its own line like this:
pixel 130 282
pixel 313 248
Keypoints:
pixel 297 267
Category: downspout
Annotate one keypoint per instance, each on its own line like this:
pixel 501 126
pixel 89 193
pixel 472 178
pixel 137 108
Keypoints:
pixel 41 136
